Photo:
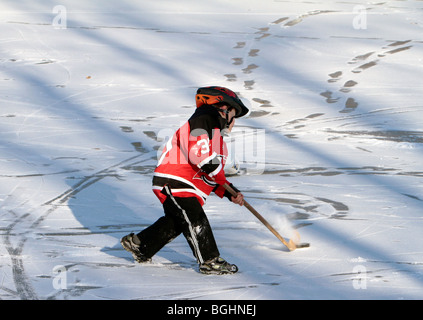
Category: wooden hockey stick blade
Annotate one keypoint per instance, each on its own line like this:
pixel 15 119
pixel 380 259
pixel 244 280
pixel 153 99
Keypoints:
pixel 302 245
pixel 296 239
pixel 290 244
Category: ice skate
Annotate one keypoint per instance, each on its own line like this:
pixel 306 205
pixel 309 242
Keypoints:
pixel 218 266
pixel 131 243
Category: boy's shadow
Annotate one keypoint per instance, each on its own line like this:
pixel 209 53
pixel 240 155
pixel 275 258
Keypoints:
pixel 102 207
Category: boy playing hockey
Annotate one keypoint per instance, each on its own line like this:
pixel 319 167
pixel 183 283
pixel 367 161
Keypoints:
pixel 190 168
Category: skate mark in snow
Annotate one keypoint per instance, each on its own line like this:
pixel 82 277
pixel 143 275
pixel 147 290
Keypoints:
pixel 304 208
pixel 22 283
pixel 384 135
pixel 24 288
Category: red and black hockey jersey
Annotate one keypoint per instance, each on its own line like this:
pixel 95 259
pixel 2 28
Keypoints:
pixel 194 158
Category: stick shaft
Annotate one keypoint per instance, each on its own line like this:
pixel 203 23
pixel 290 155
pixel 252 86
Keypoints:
pixel 291 246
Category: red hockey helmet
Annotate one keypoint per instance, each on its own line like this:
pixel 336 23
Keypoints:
pixel 213 95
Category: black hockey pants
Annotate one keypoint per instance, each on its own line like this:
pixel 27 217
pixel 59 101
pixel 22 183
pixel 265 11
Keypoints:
pixel 182 215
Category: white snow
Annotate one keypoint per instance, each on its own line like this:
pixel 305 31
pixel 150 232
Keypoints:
pixel 89 92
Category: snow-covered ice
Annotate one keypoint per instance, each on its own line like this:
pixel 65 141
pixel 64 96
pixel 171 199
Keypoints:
pixel 90 91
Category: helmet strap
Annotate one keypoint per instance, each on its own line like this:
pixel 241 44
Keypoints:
pixel 226 112
pixel 228 123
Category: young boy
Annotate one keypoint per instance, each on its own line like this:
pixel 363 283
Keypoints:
pixel 190 168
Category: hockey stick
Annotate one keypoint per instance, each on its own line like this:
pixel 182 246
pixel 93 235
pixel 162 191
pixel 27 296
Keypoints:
pixel 291 245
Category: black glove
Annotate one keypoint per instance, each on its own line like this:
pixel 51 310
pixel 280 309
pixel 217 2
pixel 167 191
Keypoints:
pixel 228 195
